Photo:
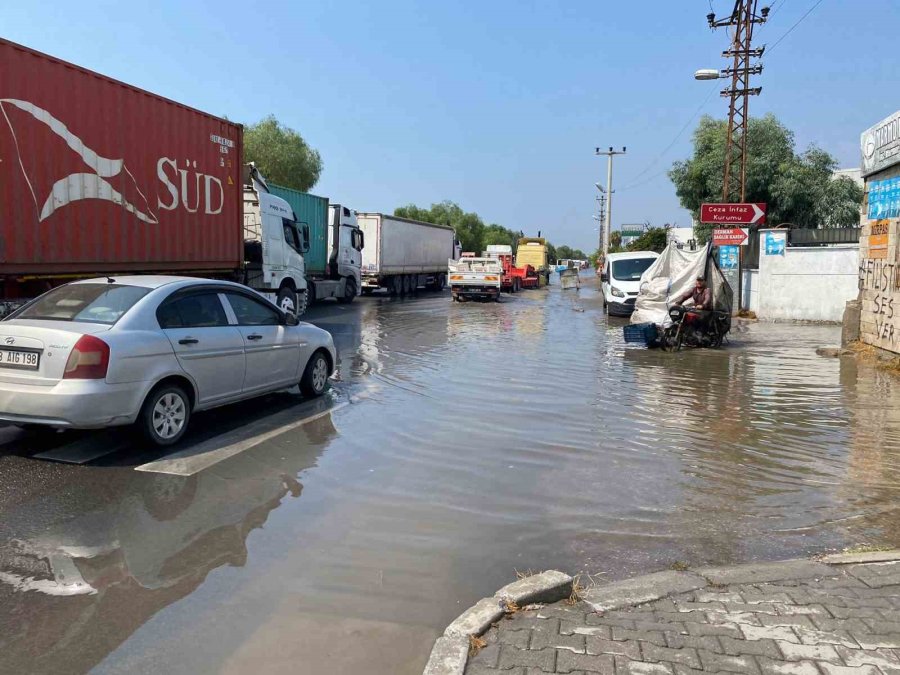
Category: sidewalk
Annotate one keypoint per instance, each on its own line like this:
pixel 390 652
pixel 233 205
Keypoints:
pixel 838 616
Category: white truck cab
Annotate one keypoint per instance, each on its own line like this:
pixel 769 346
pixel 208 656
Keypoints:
pixel 274 244
pixel 345 244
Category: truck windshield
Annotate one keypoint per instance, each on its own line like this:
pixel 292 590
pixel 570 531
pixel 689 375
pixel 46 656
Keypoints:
pixel 630 270
pixel 93 303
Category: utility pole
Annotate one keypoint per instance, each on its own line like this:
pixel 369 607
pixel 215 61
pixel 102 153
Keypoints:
pixel 734 185
pixel 608 218
pixel 601 215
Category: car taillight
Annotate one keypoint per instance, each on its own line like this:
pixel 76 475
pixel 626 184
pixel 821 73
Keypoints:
pixel 89 359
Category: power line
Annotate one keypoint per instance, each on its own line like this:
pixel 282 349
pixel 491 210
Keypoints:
pixel 633 182
pixel 789 30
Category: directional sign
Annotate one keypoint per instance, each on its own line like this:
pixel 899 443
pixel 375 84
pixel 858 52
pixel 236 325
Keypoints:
pixel 730 236
pixel 733 214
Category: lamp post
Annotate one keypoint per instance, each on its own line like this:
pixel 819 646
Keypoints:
pixel 608 221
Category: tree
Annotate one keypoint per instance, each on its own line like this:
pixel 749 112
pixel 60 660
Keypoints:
pixel 615 240
pixel 798 189
pixel 282 155
pixel 468 226
pixel 652 239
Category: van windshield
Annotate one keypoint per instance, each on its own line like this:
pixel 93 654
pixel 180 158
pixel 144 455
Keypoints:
pixel 630 270
pixel 94 303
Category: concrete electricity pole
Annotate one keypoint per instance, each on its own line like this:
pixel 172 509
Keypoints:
pixel 608 219
pixel 601 217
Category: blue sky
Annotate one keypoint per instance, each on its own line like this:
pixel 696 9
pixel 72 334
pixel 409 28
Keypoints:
pixel 497 105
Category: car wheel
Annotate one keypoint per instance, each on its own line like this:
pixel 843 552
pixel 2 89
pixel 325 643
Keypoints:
pixel 349 291
pixel 287 300
pixel 315 377
pixel 165 415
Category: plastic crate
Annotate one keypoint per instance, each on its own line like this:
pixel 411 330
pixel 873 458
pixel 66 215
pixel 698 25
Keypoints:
pixel 642 333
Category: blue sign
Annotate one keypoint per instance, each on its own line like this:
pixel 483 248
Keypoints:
pixel 774 243
pixel 728 257
pixel 884 198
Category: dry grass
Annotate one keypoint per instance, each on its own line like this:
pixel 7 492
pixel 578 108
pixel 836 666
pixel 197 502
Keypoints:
pixel 476 644
pixel 582 583
pixel 747 314
pixel 679 566
pixel 867 548
pixel 520 574
pixel 879 357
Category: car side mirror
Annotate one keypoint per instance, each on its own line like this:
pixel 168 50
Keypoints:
pixel 291 320
pixel 604 277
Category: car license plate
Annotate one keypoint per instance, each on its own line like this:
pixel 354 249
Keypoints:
pixel 14 358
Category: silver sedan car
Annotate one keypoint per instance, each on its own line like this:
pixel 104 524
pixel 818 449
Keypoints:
pixel 150 351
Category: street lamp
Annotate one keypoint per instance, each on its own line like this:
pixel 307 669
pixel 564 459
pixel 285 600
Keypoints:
pixel 708 74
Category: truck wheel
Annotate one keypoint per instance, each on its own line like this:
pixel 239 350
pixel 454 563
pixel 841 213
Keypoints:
pixel 349 291
pixel 413 283
pixel 441 282
pixel 165 415
pixel 302 302
pixel 396 285
pixel 287 300
pixel 405 284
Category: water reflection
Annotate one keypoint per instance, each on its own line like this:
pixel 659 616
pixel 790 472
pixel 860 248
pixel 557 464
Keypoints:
pixel 79 575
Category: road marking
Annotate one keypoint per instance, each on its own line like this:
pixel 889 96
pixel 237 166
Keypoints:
pixel 204 455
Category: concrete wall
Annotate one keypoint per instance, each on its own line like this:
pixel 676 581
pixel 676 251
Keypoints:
pixel 750 290
pixel 807 284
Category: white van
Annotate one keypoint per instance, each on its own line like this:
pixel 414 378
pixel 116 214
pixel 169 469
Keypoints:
pixel 620 280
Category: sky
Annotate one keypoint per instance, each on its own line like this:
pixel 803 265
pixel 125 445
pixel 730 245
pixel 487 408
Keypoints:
pixel 496 105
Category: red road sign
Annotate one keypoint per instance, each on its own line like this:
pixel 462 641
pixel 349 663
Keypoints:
pixel 733 214
pixel 730 236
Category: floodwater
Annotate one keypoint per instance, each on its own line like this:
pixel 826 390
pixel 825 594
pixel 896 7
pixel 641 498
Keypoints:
pixel 474 440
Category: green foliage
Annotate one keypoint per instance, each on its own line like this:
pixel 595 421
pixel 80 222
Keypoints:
pixel 563 252
pixel 653 239
pixel 798 189
pixel 615 240
pixel 282 155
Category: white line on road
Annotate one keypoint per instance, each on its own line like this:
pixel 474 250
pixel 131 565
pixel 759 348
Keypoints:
pixel 193 460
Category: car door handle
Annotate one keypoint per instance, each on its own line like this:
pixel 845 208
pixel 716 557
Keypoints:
pixel 188 341
pixel 255 336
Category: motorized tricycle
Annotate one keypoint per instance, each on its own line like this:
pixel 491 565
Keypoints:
pixel 694 328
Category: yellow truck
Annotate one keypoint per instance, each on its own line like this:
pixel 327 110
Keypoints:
pixel 533 251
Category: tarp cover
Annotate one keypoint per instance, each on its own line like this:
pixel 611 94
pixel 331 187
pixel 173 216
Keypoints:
pixel 671 276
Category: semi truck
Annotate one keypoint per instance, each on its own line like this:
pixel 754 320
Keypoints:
pixel 101 178
pixel 402 254
pixel 334 256
pixel 533 251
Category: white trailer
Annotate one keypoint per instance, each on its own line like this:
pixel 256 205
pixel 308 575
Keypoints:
pixel 402 254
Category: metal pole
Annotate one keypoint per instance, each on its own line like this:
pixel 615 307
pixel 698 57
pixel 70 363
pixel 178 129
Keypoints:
pixel 608 217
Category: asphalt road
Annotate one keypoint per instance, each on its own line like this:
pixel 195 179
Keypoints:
pixel 459 443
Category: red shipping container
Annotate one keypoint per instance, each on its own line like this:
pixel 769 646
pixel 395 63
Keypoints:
pixel 99 176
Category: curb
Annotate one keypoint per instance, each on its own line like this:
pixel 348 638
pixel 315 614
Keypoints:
pixel 451 651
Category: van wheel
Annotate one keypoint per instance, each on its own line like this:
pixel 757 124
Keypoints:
pixel 315 377
pixel 165 415
pixel 349 291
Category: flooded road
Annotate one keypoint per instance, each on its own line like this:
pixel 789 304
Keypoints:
pixel 460 443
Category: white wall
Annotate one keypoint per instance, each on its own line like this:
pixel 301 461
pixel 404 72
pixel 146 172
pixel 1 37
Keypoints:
pixel 750 291
pixel 807 284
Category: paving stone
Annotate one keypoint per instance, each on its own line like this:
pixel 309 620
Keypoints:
pixel 715 663
pixel 878 641
pixel 516 638
pixel 486 670
pixel 627 667
pixel 687 656
pixel 781 633
pixel 797 620
pixel 708 642
pixel 731 629
pixel 448 656
pixel 831 669
pixel 567 662
pixel 770 667
pixel 886 660
pixel 567 628
pixel 795 652
pixel 629 648
pixel 487 656
pixel 544 659
pixel 572 643
pixel 765 647
pixel 656 637
pixel 819 637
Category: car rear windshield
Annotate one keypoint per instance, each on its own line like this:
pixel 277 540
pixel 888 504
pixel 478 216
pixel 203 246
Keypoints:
pixel 630 270
pixel 93 303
